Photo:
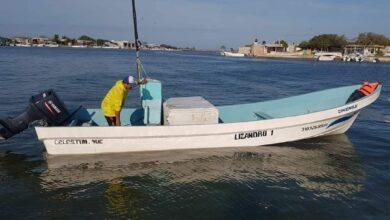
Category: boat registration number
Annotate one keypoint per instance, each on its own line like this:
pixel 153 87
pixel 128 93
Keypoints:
pixel 314 127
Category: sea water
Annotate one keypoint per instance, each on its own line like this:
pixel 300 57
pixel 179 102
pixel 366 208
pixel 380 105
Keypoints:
pixel 343 176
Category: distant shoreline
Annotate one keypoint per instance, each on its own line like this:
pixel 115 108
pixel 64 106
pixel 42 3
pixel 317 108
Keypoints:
pixel 269 57
pixel 109 48
pixel 85 41
pixel 94 47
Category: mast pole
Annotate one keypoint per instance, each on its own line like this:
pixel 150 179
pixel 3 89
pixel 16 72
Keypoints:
pixel 137 46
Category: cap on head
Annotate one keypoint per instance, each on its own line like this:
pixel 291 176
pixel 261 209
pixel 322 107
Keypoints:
pixel 129 80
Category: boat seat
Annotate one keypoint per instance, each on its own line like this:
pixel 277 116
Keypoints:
pixel 262 115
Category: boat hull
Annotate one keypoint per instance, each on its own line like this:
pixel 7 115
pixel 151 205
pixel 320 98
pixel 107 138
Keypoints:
pixel 230 54
pixel 98 140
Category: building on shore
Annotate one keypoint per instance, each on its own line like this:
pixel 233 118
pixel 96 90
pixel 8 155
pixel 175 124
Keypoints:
pixel 292 48
pixel 65 41
pixel 386 51
pixel 85 43
pixel 261 49
pixel 264 49
pixel 21 40
pixel 366 52
pixel 275 50
pixel 245 50
pixel 370 50
pixel 40 40
pixel 123 44
pixel 110 45
pixel 32 42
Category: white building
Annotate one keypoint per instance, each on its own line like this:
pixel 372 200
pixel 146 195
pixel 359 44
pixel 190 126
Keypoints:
pixel 386 51
pixel 123 44
pixel 292 48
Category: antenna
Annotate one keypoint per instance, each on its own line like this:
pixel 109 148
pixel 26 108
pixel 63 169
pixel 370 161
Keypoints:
pixel 137 46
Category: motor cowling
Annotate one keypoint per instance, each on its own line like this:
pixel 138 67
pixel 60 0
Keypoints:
pixel 46 107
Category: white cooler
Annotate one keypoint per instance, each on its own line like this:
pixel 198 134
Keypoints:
pixel 189 111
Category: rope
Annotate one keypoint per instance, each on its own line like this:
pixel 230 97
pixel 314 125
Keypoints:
pixel 144 71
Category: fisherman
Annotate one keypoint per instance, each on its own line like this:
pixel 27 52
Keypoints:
pixel 115 99
pixel 366 89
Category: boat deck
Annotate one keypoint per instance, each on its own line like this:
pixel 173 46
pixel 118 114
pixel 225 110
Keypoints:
pixel 286 107
pixel 291 106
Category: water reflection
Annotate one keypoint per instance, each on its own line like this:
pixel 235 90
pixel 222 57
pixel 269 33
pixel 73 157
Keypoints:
pixel 121 201
pixel 141 185
pixel 326 166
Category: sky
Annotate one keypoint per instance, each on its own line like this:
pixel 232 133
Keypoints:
pixel 205 24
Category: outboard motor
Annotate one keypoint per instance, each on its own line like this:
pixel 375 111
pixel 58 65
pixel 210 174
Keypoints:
pixel 45 106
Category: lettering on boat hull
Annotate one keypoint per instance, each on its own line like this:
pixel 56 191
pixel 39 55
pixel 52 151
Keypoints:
pixel 314 127
pixel 347 109
pixel 253 134
pixel 77 141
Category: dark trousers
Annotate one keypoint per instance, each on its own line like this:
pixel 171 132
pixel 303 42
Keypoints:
pixel 110 120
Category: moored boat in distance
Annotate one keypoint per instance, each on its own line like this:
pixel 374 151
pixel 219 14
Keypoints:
pixel 52 45
pixel 232 54
pixel 22 45
pixel 360 58
pixel 328 56
pixel 110 47
pixel 79 46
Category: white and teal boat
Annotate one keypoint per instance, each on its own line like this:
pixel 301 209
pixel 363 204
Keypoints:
pixel 264 123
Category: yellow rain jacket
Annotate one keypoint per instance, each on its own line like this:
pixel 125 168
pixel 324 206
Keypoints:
pixel 114 99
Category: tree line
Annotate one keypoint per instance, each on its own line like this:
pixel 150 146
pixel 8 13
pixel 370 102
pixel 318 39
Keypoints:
pixel 65 40
pixel 334 42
